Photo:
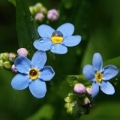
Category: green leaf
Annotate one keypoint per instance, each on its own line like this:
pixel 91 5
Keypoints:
pixel 73 79
pixel 45 112
pixel 106 110
pixel 13 2
pixel 67 3
pixel 26 29
pixel 114 61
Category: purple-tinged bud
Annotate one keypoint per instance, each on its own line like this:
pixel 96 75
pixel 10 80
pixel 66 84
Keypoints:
pixel 86 101
pixel 39 17
pixel 89 90
pixel 22 52
pixel 13 68
pixel 52 15
pixel 79 88
pixel 12 56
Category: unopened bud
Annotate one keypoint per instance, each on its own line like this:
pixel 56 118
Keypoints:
pixel 31 8
pixel 39 17
pixel 12 56
pixel 86 101
pixel 37 7
pixel 52 15
pixel 79 88
pixel 1 63
pixel 22 52
pixel 5 56
pixel 43 10
pixel 13 68
pixel 89 90
pixel 1 56
pixel 7 64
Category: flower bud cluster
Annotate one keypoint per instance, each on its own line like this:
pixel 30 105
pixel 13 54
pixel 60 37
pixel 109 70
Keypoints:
pixel 80 101
pixel 70 102
pixel 40 13
pixel 7 59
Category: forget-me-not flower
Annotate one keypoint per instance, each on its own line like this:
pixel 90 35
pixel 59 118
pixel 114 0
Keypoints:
pixel 58 40
pixel 32 74
pixel 100 76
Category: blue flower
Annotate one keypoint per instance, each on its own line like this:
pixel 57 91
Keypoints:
pixel 32 74
pixel 56 40
pixel 100 76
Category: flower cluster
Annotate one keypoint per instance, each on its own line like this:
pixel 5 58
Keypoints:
pixel 34 74
pixel 99 75
pixel 40 13
pixel 81 99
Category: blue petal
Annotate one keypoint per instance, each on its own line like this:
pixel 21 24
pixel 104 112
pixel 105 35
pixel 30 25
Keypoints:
pixel 58 49
pixel 43 44
pixel 107 88
pixel 97 62
pixel 95 89
pixel 47 73
pixel 88 72
pixel 66 29
pixel 20 82
pixel 110 71
pixel 45 31
pixel 72 40
pixel 39 59
pixel 22 64
pixel 38 88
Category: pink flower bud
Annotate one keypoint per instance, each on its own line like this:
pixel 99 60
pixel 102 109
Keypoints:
pixel 12 56
pixel 39 16
pixel 89 90
pixel 79 88
pixel 13 68
pixel 52 15
pixel 22 52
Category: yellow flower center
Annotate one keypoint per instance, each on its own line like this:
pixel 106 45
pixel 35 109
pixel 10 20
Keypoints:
pixel 34 73
pixel 98 76
pixel 57 37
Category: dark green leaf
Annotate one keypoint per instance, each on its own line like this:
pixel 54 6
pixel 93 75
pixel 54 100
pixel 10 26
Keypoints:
pixel 67 3
pixel 25 27
pixel 13 2
pixel 73 79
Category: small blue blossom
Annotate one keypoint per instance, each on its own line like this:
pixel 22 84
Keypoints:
pixel 56 40
pixel 32 74
pixel 100 76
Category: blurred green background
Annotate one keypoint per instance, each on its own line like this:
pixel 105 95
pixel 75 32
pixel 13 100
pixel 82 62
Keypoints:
pixel 98 22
